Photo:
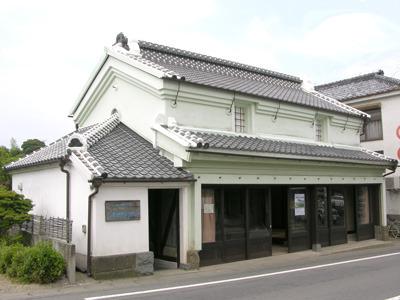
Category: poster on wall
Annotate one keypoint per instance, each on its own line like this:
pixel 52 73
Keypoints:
pixel 126 210
pixel 299 205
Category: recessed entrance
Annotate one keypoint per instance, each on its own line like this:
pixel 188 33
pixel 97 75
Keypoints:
pixel 164 227
pixel 243 222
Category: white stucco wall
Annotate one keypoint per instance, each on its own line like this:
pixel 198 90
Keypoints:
pixel 132 92
pixel 45 186
pixel 80 190
pixel 203 107
pixel 112 238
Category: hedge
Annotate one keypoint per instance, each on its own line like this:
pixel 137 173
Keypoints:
pixel 39 264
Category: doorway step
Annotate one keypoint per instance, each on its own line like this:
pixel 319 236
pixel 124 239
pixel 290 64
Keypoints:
pixel 160 264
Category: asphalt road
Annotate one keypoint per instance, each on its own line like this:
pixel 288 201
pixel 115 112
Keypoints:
pixel 364 274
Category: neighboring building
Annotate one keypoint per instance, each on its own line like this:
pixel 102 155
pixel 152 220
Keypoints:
pixel 379 96
pixel 200 160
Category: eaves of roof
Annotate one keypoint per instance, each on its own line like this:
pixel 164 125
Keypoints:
pixel 392 165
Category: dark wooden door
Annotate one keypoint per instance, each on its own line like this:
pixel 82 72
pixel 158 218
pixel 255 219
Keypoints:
pixel 299 237
pixel 322 215
pixel 364 197
pixel 234 224
pixel 337 223
pixel 258 216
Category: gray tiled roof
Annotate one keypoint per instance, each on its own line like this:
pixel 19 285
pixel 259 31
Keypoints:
pixel 123 154
pixel 238 143
pixel 113 148
pixel 219 73
pixel 360 86
pixel 51 153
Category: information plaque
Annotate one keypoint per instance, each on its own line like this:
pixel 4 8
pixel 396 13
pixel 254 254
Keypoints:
pixel 126 210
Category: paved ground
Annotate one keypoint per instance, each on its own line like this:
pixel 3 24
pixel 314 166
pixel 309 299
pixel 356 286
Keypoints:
pixel 330 274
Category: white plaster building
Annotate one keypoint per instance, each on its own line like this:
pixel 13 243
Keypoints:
pixel 198 160
pixel 379 96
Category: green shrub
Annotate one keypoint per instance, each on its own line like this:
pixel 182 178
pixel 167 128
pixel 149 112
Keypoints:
pixel 7 254
pixel 14 270
pixel 9 240
pixel 42 264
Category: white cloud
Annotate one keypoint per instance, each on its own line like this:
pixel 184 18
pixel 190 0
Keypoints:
pixel 348 35
pixel 49 48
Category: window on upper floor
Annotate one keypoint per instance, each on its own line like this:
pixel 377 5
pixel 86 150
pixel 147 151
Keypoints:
pixel 240 119
pixel 318 130
pixel 373 127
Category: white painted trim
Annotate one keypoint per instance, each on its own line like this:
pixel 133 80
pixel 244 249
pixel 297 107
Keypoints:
pixel 88 84
pixel 105 82
pixel 176 137
pixel 134 63
pixel 284 156
pixel 282 138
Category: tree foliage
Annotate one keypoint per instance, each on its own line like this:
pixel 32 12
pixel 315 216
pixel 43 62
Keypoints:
pixel 13 153
pixel 5 158
pixel 14 209
pixel 31 145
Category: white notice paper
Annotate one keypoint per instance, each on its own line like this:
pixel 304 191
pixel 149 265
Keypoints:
pixel 208 208
pixel 299 205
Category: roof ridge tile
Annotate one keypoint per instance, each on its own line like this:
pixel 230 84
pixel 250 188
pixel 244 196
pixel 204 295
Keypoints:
pixel 216 60
pixel 348 80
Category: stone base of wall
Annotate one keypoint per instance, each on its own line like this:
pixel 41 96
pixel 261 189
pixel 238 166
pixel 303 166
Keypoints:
pixel 81 262
pixel 193 260
pixel 124 265
pixel 381 233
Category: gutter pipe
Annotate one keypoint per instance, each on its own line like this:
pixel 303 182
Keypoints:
pixel 95 183
pixel 63 162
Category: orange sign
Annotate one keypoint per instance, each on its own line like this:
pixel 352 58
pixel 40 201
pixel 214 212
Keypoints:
pixel 398 132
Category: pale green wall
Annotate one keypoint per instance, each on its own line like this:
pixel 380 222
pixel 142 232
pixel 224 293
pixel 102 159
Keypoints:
pixel 202 107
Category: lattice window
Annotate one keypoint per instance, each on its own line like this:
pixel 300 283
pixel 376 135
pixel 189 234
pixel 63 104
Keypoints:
pixel 318 130
pixel 240 116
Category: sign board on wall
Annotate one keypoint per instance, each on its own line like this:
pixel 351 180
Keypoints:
pixel 126 210
pixel 299 205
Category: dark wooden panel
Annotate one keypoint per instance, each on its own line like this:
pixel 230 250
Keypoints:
pixel 259 247
pixel 299 235
pixel 234 250
pixel 323 236
pixel 365 232
pixel 338 236
pixel 211 254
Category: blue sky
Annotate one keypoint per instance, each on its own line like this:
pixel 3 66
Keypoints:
pixel 49 48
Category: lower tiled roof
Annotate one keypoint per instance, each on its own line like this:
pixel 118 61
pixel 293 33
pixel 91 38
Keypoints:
pixel 211 141
pixel 123 154
pixel 51 153
pixel 112 148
